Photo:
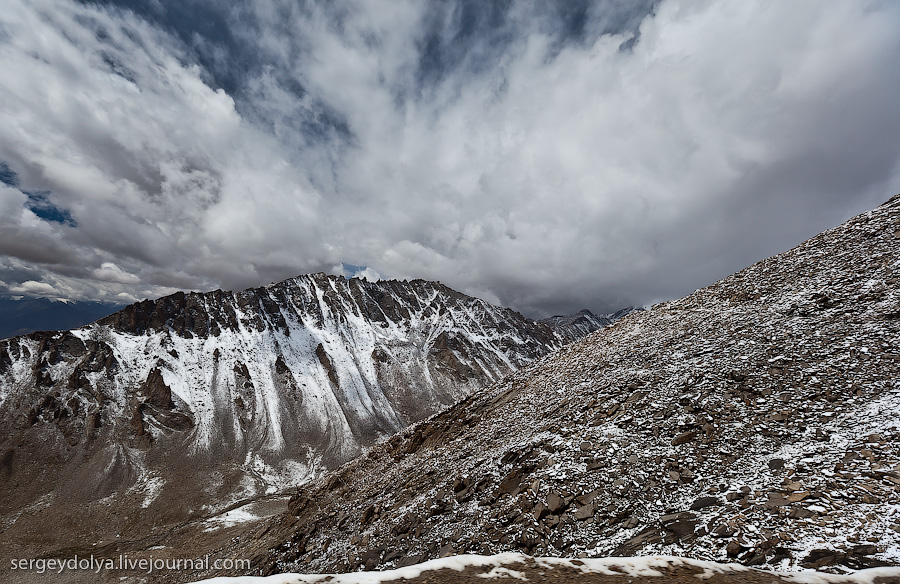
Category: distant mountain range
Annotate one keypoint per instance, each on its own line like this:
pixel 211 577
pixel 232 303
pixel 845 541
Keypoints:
pixel 19 316
pixel 575 326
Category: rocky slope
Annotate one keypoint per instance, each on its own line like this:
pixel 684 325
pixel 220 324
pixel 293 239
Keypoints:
pixel 575 326
pixel 172 409
pixel 756 420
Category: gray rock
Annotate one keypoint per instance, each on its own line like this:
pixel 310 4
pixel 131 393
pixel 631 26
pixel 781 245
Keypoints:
pixel 585 512
pixel 555 503
pixel 684 437
pixel 776 500
pixel 704 502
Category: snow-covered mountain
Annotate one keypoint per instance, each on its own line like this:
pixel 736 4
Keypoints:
pixel 172 408
pixel 756 420
pixel 575 326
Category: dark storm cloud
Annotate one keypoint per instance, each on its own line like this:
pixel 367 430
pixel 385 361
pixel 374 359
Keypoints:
pixel 549 156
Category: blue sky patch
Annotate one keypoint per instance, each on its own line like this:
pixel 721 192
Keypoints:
pixel 8 176
pixel 39 203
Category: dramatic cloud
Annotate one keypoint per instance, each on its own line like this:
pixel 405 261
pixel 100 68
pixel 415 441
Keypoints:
pixel 548 157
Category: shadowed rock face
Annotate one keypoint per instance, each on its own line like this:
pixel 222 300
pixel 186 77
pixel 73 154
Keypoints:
pixel 172 408
pixel 753 421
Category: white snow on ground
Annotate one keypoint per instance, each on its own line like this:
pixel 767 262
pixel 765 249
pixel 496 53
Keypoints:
pixel 152 488
pixel 646 566
pixel 230 518
pixel 458 563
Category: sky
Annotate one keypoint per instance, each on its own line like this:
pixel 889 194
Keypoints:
pixel 548 156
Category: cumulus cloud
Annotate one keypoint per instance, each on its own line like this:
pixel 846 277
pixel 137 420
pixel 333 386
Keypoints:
pixel 548 157
pixel 367 274
pixel 32 288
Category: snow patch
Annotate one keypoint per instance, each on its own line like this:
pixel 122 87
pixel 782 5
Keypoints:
pixel 152 488
pixel 458 563
pixel 230 519
pixel 645 566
